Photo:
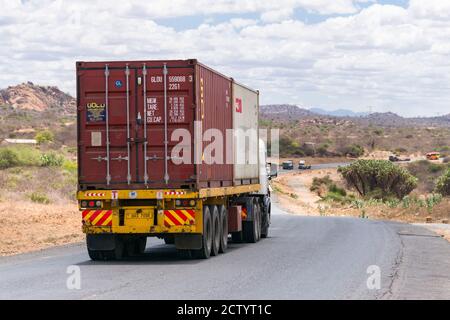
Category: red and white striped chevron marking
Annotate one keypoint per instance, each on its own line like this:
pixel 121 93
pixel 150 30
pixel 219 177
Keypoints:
pixel 94 194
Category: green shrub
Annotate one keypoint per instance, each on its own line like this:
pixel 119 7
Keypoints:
pixel 335 189
pixel 318 182
pixel 70 166
pixel 8 158
pixel 443 184
pixel 434 168
pixel 378 132
pixel 379 179
pixel 15 156
pixel 39 198
pixel 354 150
pixel 51 159
pixel 45 136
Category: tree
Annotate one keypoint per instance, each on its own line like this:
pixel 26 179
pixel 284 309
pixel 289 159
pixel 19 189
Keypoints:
pixel 379 179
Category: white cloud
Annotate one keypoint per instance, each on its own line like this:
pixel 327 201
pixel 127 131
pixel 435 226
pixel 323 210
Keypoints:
pixel 277 15
pixel 430 9
pixel 384 55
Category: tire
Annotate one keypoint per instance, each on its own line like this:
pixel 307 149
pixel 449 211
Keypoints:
pixel 108 255
pixel 184 254
pixel 223 219
pixel 237 237
pixel 266 224
pixel 169 240
pixel 136 246
pixel 101 255
pixel 217 230
pixel 205 251
pixel 251 228
pixel 258 222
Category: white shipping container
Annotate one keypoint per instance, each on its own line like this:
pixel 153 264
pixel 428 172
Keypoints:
pixel 245 125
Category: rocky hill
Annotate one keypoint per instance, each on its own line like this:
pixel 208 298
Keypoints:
pixel 27 96
pixel 26 109
pixel 285 112
pixel 280 113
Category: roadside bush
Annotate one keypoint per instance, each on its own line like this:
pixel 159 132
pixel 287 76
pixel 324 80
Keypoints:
pixel 45 136
pixel 434 167
pixel 70 166
pixel 379 179
pixel 322 150
pixel 443 184
pixel 51 159
pixel 39 198
pixel 19 156
pixel 317 183
pixel 8 158
pixel 354 150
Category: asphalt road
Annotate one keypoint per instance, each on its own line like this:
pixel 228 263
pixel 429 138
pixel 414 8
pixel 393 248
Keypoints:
pixel 314 167
pixel 304 258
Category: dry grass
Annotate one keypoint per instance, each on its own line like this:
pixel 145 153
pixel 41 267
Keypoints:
pixel 38 208
pixel 29 226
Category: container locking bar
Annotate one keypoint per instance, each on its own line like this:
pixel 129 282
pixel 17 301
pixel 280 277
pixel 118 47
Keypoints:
pixel 144 73
pixel 127 74
pixel 166 141
pixel 108 175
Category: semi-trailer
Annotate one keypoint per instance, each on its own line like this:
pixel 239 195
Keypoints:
pixel 151 163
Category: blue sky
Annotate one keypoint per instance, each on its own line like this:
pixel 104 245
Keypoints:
pixel 355 54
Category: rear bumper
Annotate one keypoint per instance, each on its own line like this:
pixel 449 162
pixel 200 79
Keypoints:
pixel 142 220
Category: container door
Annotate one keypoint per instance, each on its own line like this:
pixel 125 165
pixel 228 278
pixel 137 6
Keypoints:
pixel 106 113
pixel 165 104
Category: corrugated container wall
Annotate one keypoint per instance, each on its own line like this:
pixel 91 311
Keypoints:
pixel 214 109
pixel 124 103
pixel 245 123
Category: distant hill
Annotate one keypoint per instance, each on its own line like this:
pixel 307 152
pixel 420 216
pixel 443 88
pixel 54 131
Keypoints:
pixel 285 112
pixel 27 96
pixel 338 112
pixel 381 119
pixel 26 109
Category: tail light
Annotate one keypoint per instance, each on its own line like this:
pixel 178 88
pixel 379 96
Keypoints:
pixel 185 203
pixel 91 204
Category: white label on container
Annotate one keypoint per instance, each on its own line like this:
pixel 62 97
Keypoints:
pixel 176 109
pixel 152 108
pixel 96 139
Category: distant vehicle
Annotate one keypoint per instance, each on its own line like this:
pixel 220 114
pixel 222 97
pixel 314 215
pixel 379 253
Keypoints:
pixel 288 165
pixel 394 158
pixel 272 170
pixel 303 166
pixel 433 155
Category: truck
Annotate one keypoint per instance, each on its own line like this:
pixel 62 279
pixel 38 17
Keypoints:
pixel 150 161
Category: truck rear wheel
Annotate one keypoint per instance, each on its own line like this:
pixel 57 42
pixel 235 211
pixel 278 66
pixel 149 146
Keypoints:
pixel 223 217
pixel 205 251
pixel 101 255
pixel 265 223
pixel 170 239
pixel 136 246
pixel 237 237
pixel 252 229
pixel 217 230
pixel 96 250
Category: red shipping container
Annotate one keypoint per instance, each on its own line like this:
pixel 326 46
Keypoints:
pixel 125 102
